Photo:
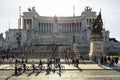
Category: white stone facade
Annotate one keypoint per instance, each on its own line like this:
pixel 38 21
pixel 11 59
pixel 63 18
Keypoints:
pixel 43 25
pixel 43 30
pixel 11 37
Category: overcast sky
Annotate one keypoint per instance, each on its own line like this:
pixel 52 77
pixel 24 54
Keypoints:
pixel 9 11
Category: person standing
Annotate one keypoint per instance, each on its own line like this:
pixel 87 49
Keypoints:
pixel 0 60
pixel 116 60
pixel 50 62
pixel 77 62
pixel 26 60
pixel 73 61
pixel 33 66
pixel 59 66
pixel 16 65
pixel 40 64
pixel 81 58
pixel 24 66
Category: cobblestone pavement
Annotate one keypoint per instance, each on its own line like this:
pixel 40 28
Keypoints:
pixel 65 75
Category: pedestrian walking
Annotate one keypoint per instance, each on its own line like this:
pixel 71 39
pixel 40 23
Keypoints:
pixel 33 66
pixel 40 64
pixel 59 66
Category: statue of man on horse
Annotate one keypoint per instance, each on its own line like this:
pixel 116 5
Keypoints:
pixel 97 25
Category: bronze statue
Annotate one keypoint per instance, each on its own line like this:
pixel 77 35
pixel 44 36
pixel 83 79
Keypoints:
pixel 97 25
pixel 87 8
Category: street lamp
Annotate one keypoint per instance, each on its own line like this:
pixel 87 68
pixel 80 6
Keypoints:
pixel 18 38
pixel 54 46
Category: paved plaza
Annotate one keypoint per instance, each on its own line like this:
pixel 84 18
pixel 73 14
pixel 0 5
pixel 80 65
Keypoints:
pixel 65 75
pixel 86 71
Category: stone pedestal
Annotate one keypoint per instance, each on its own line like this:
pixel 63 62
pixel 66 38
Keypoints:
pixel 96 47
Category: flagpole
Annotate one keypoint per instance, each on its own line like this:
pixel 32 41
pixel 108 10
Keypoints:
pixel 9 24
pixel 19 24
pixel 19 33
pixel 73 29
pixel 73 11
pixel 73 24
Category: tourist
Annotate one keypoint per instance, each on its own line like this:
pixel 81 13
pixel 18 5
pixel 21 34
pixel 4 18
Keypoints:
pixel 19 67
pixel 81 58
pixel 22 60
pixel 116 60
pixel 10 60
pixel 16 65
pixel 3 59
pixel 59 66
pixel 40 64
pixel 53 69
pixel 55 63
pixel 48 70
pixel 73 61
pixel 101 60
pixel 95 59
pixel 0 60
pixel 67 60
pixel 109 58
pixel 7 57
pixel 26 60
pixel 105 60
pixel 112 62
pixel 77 62
pixel 50 62
pixel 33 66
pixel 109 61
pixel 24 66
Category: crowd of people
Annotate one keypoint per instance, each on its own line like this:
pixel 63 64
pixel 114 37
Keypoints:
pixel 106 60
pixel 51 65
pixel 21 64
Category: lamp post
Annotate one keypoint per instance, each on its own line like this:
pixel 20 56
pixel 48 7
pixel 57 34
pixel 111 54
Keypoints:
pixel 19 42
pixel 54 47
pixel 74 25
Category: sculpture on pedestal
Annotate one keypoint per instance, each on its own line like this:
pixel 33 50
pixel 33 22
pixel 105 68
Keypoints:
pixel 97 25
pixel 96 38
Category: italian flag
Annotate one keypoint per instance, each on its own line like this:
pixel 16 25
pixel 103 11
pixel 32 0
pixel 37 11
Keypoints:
pixel 74 23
